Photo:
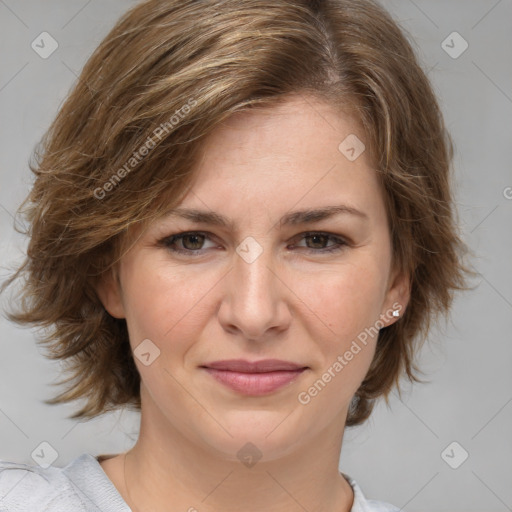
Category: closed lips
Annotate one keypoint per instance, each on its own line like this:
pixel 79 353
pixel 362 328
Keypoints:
pixel 264 366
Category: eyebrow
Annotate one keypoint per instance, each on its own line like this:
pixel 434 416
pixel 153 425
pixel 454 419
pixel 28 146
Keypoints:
pixel 292 218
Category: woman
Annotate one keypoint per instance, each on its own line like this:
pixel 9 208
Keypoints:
pixel 242 225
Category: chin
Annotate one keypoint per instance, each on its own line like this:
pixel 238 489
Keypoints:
pixel 267 437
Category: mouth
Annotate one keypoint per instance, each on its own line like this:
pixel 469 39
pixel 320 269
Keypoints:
pixel 254 378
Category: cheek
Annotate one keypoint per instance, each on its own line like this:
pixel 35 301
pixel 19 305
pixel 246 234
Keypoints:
pixel 346 299
pixel 164 305
pixel 161 300
pixel 346 305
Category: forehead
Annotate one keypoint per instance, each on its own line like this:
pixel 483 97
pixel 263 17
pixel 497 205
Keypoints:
pixel 300 126
pixel 269 159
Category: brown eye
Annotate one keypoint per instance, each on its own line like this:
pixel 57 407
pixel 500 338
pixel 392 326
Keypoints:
pixel 193 241
pixel 190 243
pixel 317 242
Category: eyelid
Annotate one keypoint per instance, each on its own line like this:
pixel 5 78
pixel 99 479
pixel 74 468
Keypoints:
pixel 341 242
pixel 167 240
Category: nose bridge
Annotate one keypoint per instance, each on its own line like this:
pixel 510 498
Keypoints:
pixel 252 302
pixel 253 279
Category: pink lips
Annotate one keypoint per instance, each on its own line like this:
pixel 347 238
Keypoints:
pixel 254 378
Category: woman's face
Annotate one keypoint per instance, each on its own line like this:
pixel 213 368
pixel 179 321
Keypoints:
pixel 310 291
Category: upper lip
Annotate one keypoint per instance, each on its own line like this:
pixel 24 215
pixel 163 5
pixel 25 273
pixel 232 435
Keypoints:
pixel 243 366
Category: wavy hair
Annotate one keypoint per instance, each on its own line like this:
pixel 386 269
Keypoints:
pixel 123 147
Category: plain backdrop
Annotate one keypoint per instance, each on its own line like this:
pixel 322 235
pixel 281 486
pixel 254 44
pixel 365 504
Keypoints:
pixel 401 454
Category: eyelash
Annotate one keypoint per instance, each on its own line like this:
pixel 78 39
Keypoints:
pixel 170 240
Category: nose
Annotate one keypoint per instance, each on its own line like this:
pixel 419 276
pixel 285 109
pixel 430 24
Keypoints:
pixel 254 301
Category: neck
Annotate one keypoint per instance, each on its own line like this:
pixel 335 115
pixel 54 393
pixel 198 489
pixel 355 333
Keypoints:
pixel 166 470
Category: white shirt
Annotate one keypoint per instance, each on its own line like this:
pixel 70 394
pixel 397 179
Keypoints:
pixel 83 486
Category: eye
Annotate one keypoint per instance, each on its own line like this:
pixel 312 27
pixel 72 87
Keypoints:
pixel 185 243
pixel 319 239
pixel 191 243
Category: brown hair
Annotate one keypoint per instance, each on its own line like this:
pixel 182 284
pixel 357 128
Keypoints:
pixel 165 76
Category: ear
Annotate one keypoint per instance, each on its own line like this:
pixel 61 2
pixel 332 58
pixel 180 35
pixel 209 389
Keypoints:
pixel 108 288
pixel 397 297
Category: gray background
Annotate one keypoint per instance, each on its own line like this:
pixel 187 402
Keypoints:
pixel 396 455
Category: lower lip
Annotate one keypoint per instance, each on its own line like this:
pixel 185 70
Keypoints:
pixel 254 383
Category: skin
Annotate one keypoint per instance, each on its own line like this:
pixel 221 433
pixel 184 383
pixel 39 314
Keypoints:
pixel 293 302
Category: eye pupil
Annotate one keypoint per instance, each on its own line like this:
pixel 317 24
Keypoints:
pixel 317 237
pixel 187 237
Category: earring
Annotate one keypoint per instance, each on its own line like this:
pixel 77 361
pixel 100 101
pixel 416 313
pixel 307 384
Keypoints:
pixel 396 312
